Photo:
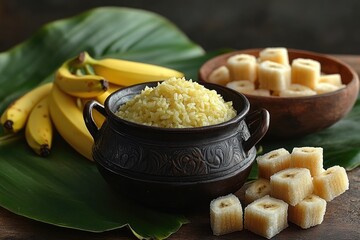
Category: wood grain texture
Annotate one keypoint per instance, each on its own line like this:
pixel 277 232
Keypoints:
pixel 342 219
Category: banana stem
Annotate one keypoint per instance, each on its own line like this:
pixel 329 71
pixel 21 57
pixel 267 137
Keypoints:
pixel 44 150
pixel 89 70
pixel 78 61
pixel 8 125
pixel 79 72
pixel 82 60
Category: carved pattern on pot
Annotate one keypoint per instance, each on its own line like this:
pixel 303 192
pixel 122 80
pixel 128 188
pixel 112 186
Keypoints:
pixel 128 156
pixel 189 161
pixel 244 131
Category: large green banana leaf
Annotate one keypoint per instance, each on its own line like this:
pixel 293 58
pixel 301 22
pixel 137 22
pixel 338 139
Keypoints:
pixel 65 189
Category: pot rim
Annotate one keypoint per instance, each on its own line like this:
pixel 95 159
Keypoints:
pixel 239 116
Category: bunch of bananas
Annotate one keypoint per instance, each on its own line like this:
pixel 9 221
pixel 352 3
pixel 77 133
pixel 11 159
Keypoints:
pixel 60 103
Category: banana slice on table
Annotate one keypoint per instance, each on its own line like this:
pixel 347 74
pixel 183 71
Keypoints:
pixel 273 162
pixel 266 216
pixel 309 212
pixel 257 189
pixel 226 215
pixel 308 157
pixel 291 185
pixel 331 183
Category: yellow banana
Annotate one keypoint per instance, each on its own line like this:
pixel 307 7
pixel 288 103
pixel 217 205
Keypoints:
pixel 38 131
pixel 112 88
pixel 126 73
pixel 84 86
pixel 98 117
pixel 69 122
pixel 15 116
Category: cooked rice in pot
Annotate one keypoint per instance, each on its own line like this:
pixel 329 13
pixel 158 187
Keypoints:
pixel 177 103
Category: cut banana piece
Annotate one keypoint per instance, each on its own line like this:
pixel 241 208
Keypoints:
pixel 242 86
pixel 260 92
pixel 278 55
pixel 257 189
pixel 323 87
pixel 309 212
pixel 273 162
pixel 291 185
pixel 266 216
pixel 334 79
pixel 297 90
pixel 331 183
pixel 226 215
pixel 220 76
pixel 305 72
pixel 274 76
pixel 308 157
pixel 242 67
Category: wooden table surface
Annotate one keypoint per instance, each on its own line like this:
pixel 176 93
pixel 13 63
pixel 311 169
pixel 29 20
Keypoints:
pixel 342 219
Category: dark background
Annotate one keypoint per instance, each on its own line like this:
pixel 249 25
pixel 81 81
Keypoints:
pixel 317 25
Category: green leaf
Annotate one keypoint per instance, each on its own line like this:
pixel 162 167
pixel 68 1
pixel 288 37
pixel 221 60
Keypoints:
pixel 66 189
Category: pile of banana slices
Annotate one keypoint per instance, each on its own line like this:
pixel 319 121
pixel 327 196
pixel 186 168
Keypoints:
pixel 60 103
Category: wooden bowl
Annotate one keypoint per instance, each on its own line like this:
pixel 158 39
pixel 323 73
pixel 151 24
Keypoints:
pixel 297 116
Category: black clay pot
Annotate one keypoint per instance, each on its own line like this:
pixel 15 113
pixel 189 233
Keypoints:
pixel 175 167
